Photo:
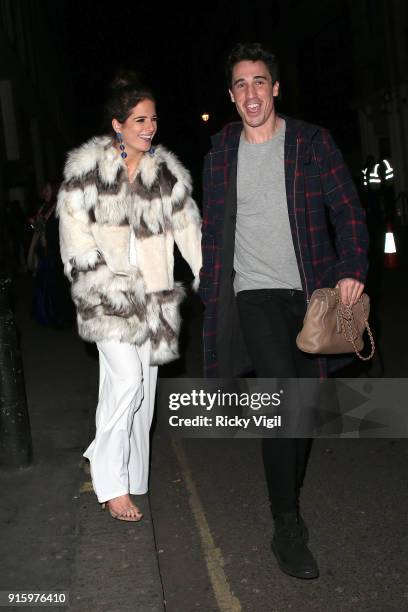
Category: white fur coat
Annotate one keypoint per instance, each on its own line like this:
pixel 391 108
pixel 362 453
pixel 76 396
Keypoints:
pixel 117 240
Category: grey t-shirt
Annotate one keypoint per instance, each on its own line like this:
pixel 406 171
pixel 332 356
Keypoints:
pixel 264 255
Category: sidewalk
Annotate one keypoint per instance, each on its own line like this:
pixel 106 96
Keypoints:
pixel 54 535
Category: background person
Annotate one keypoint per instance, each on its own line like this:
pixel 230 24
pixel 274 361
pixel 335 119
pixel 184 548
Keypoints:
pixel 51 305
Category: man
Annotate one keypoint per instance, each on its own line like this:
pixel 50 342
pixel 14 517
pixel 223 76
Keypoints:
pixel 281 218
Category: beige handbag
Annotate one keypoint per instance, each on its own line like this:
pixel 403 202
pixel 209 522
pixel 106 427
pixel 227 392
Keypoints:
pixel 331 327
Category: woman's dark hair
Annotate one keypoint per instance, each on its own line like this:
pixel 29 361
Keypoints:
pixel 54 186
pixel 126 91
pixel 252 52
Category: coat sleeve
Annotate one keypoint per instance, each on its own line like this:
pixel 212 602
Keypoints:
pixel 186 222
pixel 79 251
pixel 346 212
pixel 209 231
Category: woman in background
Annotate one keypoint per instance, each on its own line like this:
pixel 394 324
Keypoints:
pixel 51 306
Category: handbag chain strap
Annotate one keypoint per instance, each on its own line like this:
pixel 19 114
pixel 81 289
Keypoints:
pixel 349 327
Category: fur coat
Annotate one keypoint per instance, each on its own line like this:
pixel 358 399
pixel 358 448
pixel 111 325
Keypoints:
pixel 117 241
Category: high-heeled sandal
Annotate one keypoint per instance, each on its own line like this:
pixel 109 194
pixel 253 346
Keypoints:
pixel 122 516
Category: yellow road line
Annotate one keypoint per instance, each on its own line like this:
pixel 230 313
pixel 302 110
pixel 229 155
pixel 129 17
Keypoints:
pixel 227 602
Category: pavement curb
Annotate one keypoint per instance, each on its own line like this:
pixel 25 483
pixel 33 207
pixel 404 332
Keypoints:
pixel 115 567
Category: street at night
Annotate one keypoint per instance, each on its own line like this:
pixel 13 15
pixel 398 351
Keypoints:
pixel 204 542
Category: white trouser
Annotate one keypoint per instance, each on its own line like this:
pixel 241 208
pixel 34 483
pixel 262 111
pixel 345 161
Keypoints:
pixel 119 455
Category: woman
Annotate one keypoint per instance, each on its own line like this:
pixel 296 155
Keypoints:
pixel 122 205
pixel 46 210
pixel 51 304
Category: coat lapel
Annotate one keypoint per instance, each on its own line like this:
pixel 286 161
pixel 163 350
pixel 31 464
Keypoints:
pixel 229 222
pixel 294 186
pixel 290 162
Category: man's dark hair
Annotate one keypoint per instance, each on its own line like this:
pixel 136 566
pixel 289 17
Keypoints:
pixel 252 52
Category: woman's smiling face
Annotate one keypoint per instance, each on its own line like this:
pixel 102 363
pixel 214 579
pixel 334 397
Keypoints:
pixel 140 127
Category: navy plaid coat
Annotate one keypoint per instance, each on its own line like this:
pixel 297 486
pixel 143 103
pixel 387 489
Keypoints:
pixel 327 224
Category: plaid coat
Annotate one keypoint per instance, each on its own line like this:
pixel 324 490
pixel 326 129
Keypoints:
pixel 327 224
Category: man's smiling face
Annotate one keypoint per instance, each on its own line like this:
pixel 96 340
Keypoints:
pixel 253 92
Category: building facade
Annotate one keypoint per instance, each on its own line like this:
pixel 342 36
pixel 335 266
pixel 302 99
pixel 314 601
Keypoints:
pixel 35 126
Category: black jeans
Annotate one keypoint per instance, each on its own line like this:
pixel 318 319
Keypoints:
pixel 270 321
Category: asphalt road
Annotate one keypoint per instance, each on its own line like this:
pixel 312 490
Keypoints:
pixel 354 501
pixel 213 525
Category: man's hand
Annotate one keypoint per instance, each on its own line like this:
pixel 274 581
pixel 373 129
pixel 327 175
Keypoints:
pixel 350 290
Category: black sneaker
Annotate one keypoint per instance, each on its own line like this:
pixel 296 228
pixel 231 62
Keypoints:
pixel 290 548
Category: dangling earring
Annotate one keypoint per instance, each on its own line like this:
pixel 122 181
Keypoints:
pixel 119 139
